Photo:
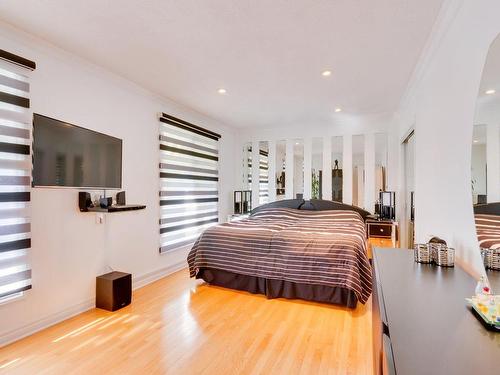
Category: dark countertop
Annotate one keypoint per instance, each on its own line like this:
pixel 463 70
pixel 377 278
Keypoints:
pixel 432 330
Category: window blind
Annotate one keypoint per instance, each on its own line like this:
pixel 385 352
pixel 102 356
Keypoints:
pixel 189 177
pixel 15 174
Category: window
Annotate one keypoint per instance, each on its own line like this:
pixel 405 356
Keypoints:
pixel 189 178
pixel 15 175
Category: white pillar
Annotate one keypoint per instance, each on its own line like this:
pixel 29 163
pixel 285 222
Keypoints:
pixel 369 201
pixel 307 168
pixel 255 173
pixel 347 169
pixel 327 168
pixel 272 171
pixel 289 161
pixel 493 163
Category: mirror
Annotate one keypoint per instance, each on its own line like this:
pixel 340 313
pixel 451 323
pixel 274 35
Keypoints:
pixel 280 169
pixel 337 174
pixel 317 168
pixel 263 172
pixel 485 160
pixel 298 169
pixel 358 171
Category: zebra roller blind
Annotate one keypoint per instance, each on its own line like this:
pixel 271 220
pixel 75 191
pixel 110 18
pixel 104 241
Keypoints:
pixel 189 179
pixel 15 174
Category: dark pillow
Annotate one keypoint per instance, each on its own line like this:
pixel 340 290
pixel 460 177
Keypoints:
pixel 487 209
pixel 286 203
pixel 323 205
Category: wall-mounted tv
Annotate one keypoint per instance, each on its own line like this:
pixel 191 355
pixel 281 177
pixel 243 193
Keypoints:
pixel 67 155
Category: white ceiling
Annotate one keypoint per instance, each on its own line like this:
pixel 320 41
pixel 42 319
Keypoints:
pixel 269 55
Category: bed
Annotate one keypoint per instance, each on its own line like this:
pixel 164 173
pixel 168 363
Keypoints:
pixel 314 250
pixel 487 218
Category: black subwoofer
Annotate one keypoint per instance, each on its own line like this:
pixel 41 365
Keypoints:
pixel 113 290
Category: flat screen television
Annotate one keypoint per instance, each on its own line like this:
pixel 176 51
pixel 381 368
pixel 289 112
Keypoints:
pixel 67 155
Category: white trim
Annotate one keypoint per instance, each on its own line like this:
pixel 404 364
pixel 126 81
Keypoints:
pixel 52 319
pixel 150 277
pixel 45 322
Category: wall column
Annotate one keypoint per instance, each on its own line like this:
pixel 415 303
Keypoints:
pixel 369 201
pixel 272 171
pixel 289 169
pixel 327 168
pixel 347 169
pixel 255 173
pixel 493 163
pixel 307 168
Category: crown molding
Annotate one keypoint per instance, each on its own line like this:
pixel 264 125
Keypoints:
pixel 446 16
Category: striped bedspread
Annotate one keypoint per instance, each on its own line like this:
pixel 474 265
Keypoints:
pixel 310 247
pixel 488 231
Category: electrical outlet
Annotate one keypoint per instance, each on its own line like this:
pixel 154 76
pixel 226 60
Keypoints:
pixel 99 218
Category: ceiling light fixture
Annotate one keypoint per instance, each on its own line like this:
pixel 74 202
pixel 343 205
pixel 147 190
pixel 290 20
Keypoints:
pixel 337 110
pixel 222 91
pixel 326 73
pixel 490 92
pixel 475 141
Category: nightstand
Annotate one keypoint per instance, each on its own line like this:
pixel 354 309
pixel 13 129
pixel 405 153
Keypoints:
pixel 383 233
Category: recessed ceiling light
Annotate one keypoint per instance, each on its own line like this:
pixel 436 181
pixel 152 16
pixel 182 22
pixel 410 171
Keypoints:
pixel 338 110
pixel 326 73
pixel 475 141
pixel 490 92
pixel 222 91
pixel 296 143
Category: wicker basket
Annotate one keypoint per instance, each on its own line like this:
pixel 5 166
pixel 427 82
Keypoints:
pixel 443 255
pixel 491 259
pixel 422 253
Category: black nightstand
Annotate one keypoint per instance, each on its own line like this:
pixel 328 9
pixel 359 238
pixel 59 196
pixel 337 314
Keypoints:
pixel 383 231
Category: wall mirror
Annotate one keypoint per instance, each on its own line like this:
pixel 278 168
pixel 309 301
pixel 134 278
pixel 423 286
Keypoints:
pixel 298 168
pixel 337 172
pixel 280 169
pixel 317 168
pixel 246 170
pixel 358 171
pixel 263 172
pixel 485 160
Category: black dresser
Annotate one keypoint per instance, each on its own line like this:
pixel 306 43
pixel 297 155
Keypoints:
pixel 421 324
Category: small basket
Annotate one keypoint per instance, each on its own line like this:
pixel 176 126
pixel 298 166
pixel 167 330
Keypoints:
pixel 443 255
pixel 491 259
pixel 422 253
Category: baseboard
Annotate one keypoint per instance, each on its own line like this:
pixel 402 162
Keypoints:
pixel 45 322
pixel 148 278
pixel 50 320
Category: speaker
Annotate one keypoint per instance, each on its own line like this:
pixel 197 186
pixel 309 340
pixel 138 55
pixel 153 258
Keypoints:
pixel 84 201
pixel 113 290
pixel 105 202
pixel 120 198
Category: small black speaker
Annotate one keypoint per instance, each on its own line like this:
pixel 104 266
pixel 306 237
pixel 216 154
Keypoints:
pixel 113 290
pixel 84 201
pixel 106 202
pixel 120 198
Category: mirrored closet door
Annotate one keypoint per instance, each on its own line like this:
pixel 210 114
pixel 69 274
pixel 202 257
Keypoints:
pixel 485 160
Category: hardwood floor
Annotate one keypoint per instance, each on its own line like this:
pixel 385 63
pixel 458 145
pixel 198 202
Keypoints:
pixel 181 326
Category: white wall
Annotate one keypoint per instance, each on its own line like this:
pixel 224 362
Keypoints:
pixel 440 105
pixel 68 248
